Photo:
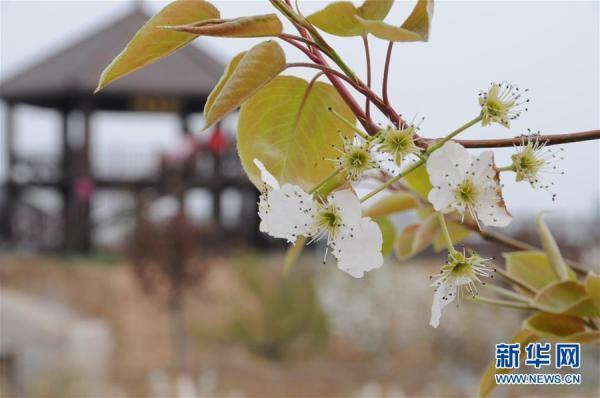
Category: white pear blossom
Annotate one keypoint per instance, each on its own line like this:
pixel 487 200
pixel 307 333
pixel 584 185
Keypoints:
pixel 398 143
pixel 502 103
pixel 462 183
pixel 456 278
pixel 287 212
pixel 354 157
pixel 533 159
pixel 354 240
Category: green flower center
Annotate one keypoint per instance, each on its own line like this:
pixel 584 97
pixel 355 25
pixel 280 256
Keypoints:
pixel 329 219
pixel 398 143
pixel 526 162
pixel 460 265
pixel 358 158
pixel 466 192
pixel 494 107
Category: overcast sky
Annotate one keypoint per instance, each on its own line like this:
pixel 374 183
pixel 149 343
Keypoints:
pixel 552 48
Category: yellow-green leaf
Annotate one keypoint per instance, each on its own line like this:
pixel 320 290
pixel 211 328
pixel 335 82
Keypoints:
pixel 592 286
pixel 425 234
pixel 290 129
pixel 589 336
pixel 151 43
pixel 415 28
pixel 404 241
pixel 566 297
pixel 530 267
pixel 488 380
pixel 551 249
pixel 375 9
pixel 394 203
pixel 457 232
pixel 553 326
pixel 388 232
pixel 245 75
pixel 293 254
pixel 338 18
pixel 418 181
pixel 254 26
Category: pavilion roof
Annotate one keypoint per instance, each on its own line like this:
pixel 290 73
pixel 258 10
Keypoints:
pixel 68 78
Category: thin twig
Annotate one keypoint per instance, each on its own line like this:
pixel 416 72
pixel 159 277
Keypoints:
pixel 517 244
pixel 386 72
pixel 553 139
pixel 365 38
pixel 326 70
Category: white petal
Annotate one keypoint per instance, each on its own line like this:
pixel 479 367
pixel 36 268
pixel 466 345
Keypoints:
pixel 287 213
pixel 442 197
pixel 348 205
pixel 265 176
pixel 358 248
pixel 450 163
pixel 483 171
pixel 445 294
pixel 492 211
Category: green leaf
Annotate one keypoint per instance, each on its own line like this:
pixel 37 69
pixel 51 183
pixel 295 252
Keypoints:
pixel 403 242
pixel 457 232
pixel 254 26
pixel 530 267
pixel 554 326
pixel 245 75
pixel 394 203
pixel 415 28
pixel 290 129
pixel 552 250
pixel 566 297
pixel 419 182
pixel 388 232
pixel 425 234
pixel 338 18
pixel 488 380
pixel 151 44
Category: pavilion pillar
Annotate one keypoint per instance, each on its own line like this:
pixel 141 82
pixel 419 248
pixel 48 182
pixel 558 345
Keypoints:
pixel 80 190
pixel 185 173
pixel 65 182
pixel 10 191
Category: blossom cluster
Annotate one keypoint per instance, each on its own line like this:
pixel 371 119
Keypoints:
pixel 461 184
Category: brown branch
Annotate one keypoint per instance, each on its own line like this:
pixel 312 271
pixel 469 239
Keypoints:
pixel 554 139
pixel 317 57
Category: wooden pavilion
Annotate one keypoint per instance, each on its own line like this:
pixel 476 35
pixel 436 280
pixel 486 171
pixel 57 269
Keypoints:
pixel 65 82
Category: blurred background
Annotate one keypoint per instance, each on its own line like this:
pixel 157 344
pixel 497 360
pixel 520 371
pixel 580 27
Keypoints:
pixel 131 264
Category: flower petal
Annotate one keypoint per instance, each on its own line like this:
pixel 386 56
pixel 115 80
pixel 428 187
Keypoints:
pixel 449 164
pixel 358 248
pixel 442 198
pixel 266 176
pixel 483 170
pixel 348 205
pixel 491 209
pixel 287 213
pixel 446 293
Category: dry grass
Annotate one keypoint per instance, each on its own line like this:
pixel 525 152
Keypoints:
pixel 410 357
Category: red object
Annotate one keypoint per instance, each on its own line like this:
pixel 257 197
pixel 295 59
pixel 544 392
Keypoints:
pixel 218 142
pixel 83 187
